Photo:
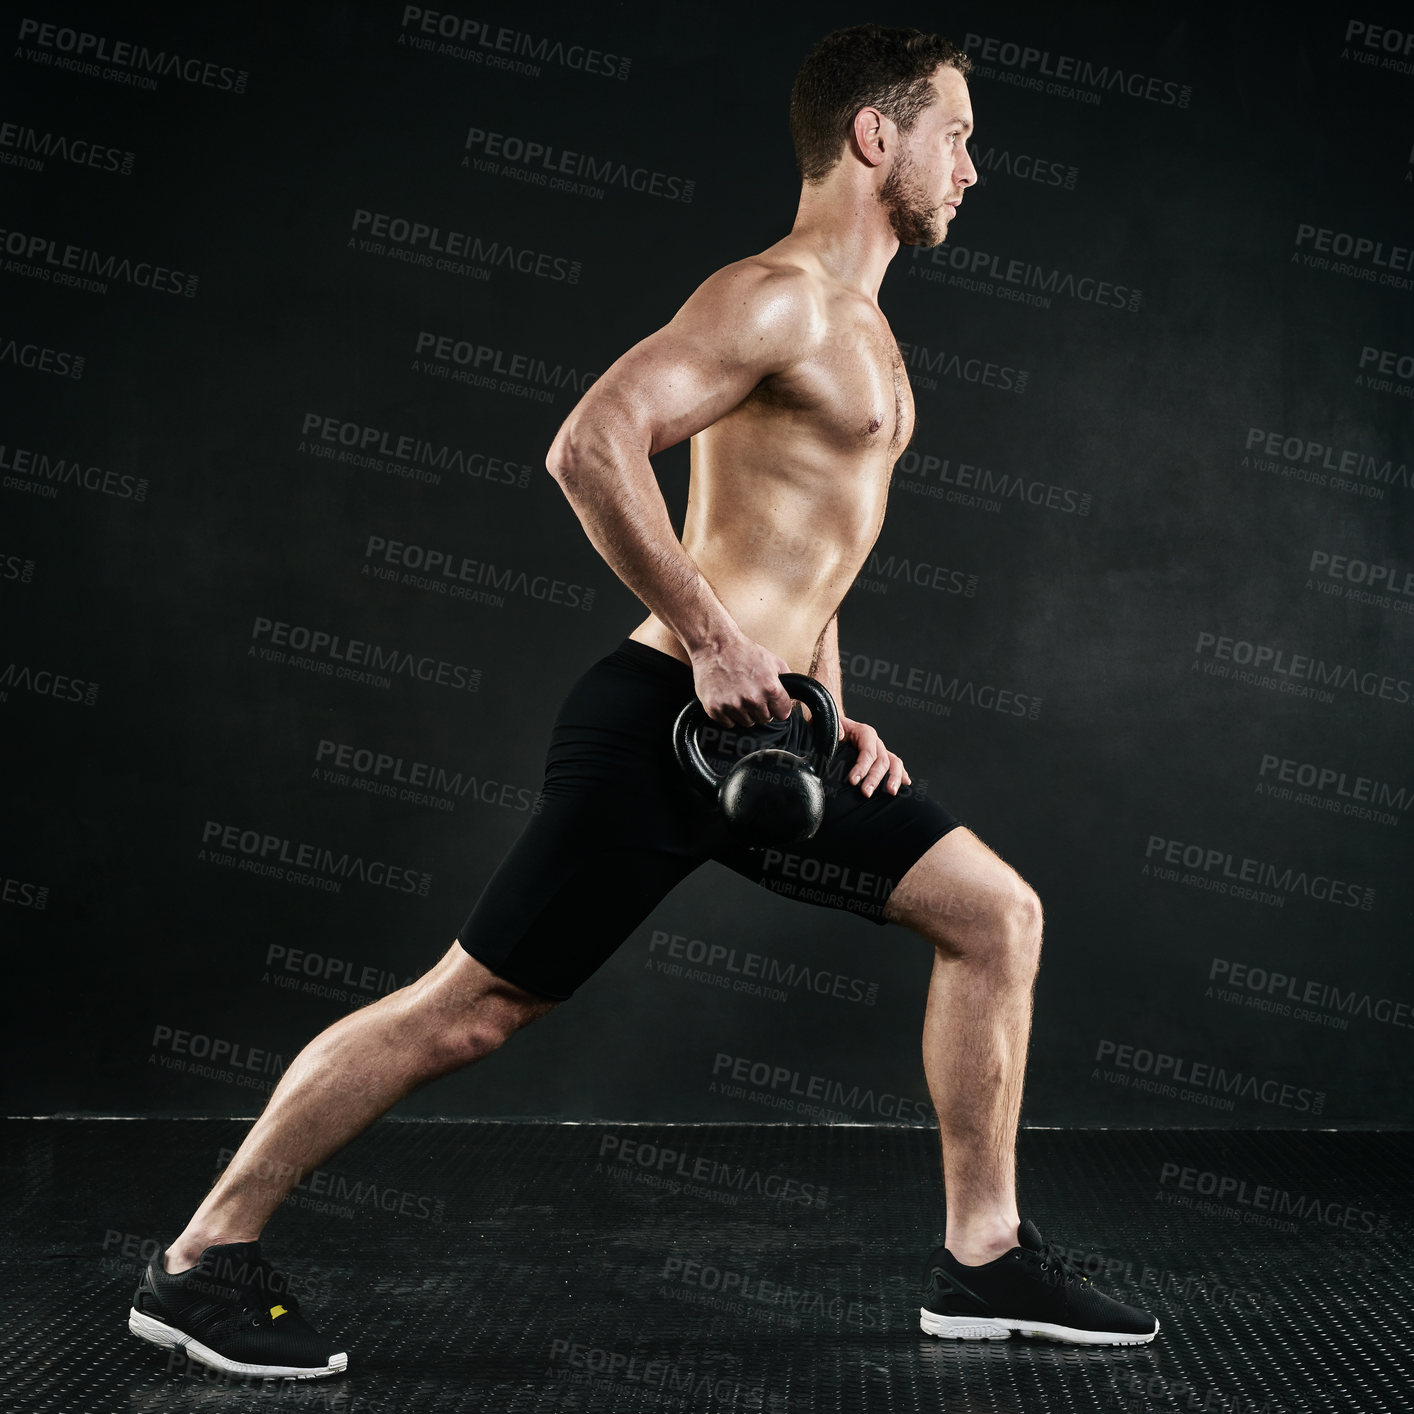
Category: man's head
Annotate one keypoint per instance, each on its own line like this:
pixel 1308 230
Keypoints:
pixel 896 101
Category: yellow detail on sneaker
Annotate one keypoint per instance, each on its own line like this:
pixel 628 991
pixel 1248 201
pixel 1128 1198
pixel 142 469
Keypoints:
pixel 276 1311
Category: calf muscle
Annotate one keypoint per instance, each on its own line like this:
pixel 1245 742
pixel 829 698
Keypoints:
pixel 348 1076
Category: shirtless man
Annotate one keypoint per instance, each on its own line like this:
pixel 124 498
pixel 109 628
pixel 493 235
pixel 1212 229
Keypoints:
pixel 782 370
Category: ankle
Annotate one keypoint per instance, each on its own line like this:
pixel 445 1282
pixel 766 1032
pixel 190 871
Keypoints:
pixel 982 1241
pixel 179 1259
pixel 186 1251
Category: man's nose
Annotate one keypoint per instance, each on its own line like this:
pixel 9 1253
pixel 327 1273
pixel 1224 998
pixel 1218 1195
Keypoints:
pixel 964 173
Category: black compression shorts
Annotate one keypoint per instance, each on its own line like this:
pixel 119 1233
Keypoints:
pixel 618 825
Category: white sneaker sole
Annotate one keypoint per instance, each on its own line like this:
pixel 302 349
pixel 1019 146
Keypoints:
pixel 997 1328
pixel 159 1333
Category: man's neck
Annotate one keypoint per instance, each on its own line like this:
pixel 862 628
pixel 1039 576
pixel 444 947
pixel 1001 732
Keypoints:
pixel 848 231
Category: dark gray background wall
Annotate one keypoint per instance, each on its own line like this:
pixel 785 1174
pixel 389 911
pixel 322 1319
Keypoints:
pixel 1140 613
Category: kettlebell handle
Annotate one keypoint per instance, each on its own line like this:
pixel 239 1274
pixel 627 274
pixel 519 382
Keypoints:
pixel 824 731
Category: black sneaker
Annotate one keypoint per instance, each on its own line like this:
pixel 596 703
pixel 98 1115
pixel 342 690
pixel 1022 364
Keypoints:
pixel 1033 1290
pixel 232 1312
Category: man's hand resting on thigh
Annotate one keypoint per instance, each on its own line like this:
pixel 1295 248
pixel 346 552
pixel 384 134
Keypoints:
pixel 875 761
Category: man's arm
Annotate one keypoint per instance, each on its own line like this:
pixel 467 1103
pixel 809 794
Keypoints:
pixel 741 325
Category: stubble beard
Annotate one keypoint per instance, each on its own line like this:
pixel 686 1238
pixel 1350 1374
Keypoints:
pixel 914 220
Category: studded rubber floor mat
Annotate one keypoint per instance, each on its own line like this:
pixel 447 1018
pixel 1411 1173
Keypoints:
pixel 517 1267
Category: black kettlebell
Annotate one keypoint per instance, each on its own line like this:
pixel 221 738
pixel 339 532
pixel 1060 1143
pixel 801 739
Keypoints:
pixel 773 796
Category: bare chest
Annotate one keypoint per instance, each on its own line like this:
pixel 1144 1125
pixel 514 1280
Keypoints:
pixel 852 392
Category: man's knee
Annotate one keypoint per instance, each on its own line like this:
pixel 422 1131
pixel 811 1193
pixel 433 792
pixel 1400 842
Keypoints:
pixel 1009 930
pixel 1026 919
pixel 466 1012
pixel 999 923
pixel 487 1030
pixel 467 1034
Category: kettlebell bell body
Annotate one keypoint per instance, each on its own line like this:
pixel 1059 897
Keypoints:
pixel 773 796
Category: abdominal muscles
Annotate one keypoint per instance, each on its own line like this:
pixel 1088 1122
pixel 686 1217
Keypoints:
pixel 780 523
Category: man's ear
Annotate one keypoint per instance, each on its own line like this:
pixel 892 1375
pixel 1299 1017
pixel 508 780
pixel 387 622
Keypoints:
pixel 871 131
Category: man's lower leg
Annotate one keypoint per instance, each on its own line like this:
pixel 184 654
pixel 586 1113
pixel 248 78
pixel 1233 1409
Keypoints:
pixel 975 1035
pixel 347 1077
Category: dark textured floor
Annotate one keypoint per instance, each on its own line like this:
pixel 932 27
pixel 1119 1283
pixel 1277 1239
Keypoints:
pixel 724 1267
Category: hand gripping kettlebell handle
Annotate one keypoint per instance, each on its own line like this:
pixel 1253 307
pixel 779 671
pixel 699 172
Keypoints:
pixel 824 731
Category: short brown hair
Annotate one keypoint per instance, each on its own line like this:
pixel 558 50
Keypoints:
pixel 866 66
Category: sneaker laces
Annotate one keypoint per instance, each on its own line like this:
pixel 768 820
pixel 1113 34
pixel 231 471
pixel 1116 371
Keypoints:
pixel 1055 1258
pixel 260 1288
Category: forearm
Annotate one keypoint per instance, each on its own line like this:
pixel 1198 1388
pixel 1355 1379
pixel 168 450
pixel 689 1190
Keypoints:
pixel 615 494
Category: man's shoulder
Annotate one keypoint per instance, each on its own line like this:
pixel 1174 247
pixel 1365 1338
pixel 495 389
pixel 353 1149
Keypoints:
pixel 769 288
pixel 769 271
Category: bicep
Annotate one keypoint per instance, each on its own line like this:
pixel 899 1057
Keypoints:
pixel 731 334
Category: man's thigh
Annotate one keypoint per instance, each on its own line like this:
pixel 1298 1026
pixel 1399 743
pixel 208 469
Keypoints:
pixel 614 830
pixel 564 898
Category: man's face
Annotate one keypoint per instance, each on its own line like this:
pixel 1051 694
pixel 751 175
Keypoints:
pixel 931 168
